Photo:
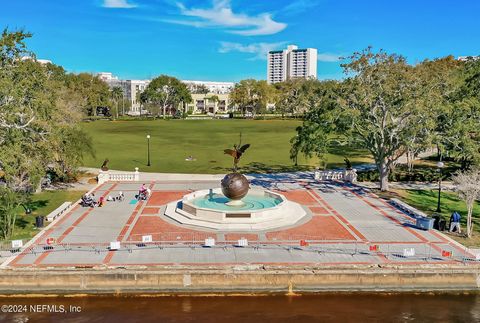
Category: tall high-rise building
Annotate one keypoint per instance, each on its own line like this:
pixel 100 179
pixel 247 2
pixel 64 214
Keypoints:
pixel 291 63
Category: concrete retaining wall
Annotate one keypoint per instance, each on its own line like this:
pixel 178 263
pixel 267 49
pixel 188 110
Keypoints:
pixel 237 279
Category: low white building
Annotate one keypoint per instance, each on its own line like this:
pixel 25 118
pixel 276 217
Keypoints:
pixel 216 100
pixel 209 103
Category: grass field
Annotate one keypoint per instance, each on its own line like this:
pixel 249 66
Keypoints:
pixel 124 143
pixel 427 201
pixel 42 204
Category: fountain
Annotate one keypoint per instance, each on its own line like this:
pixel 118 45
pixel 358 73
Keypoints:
pixel 234 206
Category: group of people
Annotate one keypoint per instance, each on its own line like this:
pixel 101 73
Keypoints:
pixel 88 200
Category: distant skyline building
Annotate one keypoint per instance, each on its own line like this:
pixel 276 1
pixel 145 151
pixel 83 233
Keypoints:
pixel 291 63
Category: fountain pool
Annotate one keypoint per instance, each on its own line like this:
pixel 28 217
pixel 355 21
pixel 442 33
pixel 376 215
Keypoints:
pixel 257 211
pixel 250 202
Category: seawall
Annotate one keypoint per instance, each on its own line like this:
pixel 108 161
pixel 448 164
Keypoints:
pixel 238 279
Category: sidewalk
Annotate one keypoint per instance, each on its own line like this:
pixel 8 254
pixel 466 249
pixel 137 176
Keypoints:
pixel 446 186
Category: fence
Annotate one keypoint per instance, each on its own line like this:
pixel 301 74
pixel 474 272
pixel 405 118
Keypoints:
pixel 425 253
pixel 106 176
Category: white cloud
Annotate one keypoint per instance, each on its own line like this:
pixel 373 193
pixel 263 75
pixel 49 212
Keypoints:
pixel 222 15
pixel 118 4
pixel 328 57
pixel 260 50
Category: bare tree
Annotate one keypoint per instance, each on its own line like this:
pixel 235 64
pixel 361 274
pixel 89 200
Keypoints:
pixel 468 189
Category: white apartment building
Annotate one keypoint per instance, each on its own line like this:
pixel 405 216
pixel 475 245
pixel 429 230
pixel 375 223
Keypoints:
pixel 291 63
pixel 131 89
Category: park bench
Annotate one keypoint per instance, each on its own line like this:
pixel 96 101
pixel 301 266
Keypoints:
pixel 410 210
pixel 58 211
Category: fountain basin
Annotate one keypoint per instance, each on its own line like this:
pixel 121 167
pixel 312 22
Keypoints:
pixel 261 210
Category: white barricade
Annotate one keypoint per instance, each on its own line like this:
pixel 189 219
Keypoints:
pixel 146 239
pixel 408 252
pixel 17 244
pixel 114 245
pixel 209 242
pixel 243 242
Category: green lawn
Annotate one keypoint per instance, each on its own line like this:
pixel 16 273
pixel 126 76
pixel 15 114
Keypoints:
pixel 124 143
pixel 42 204
pixel 427 201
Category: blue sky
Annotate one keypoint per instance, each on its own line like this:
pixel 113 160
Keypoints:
pixel 227 40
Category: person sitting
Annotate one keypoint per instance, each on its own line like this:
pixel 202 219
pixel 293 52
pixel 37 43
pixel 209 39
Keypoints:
pixel 455 222
pixel 142 193
pixel 101 201
pixel 120 196
pixel 88 200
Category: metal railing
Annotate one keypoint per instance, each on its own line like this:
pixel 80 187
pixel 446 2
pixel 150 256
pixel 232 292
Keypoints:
pixel 428 253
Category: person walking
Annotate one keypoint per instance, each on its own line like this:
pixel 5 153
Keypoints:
pixel 455 222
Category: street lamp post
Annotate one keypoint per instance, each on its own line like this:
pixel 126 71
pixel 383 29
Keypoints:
pixel 440 166
pixel 148 150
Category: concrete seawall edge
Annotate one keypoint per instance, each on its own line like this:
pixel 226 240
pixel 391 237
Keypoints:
pixel 246 279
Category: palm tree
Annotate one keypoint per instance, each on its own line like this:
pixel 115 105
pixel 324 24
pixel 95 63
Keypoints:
pixel 117 93
pixel 214 99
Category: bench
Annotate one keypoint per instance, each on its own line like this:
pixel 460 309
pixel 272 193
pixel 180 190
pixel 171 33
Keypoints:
pixel 410 210
pixel 58 211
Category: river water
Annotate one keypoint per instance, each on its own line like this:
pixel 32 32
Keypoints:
pixel 256 309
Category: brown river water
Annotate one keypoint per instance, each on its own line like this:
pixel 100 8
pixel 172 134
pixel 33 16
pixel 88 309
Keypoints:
pixel 256 309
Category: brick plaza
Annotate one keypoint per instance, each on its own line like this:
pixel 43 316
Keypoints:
pixel 346 225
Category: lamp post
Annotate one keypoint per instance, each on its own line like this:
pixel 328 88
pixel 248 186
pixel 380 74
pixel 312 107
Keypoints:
pixel 148 150
pixel 439 166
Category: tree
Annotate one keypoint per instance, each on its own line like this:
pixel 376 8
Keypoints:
pixel 198 88
pixel 117 94
pixel 36 101
pixel 91 92
pixel 319 99
pixel 458 131
pixel 251 95
pixel 9 202
pixel 166 92
pixel 214 99
pixel 388 105
pixel 70 146
pixel 286 98
pixel 468 189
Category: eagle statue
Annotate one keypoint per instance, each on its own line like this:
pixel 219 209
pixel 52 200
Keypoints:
pixel 237 152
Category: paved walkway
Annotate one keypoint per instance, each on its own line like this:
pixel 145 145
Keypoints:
pixel 347 225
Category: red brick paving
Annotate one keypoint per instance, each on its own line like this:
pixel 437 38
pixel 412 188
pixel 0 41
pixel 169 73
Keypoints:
pixel 160 198
pixel 238 236
pixel 301 197
pixel 319 210
pixel 151 210
pixel 164 231
pixel 318 228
